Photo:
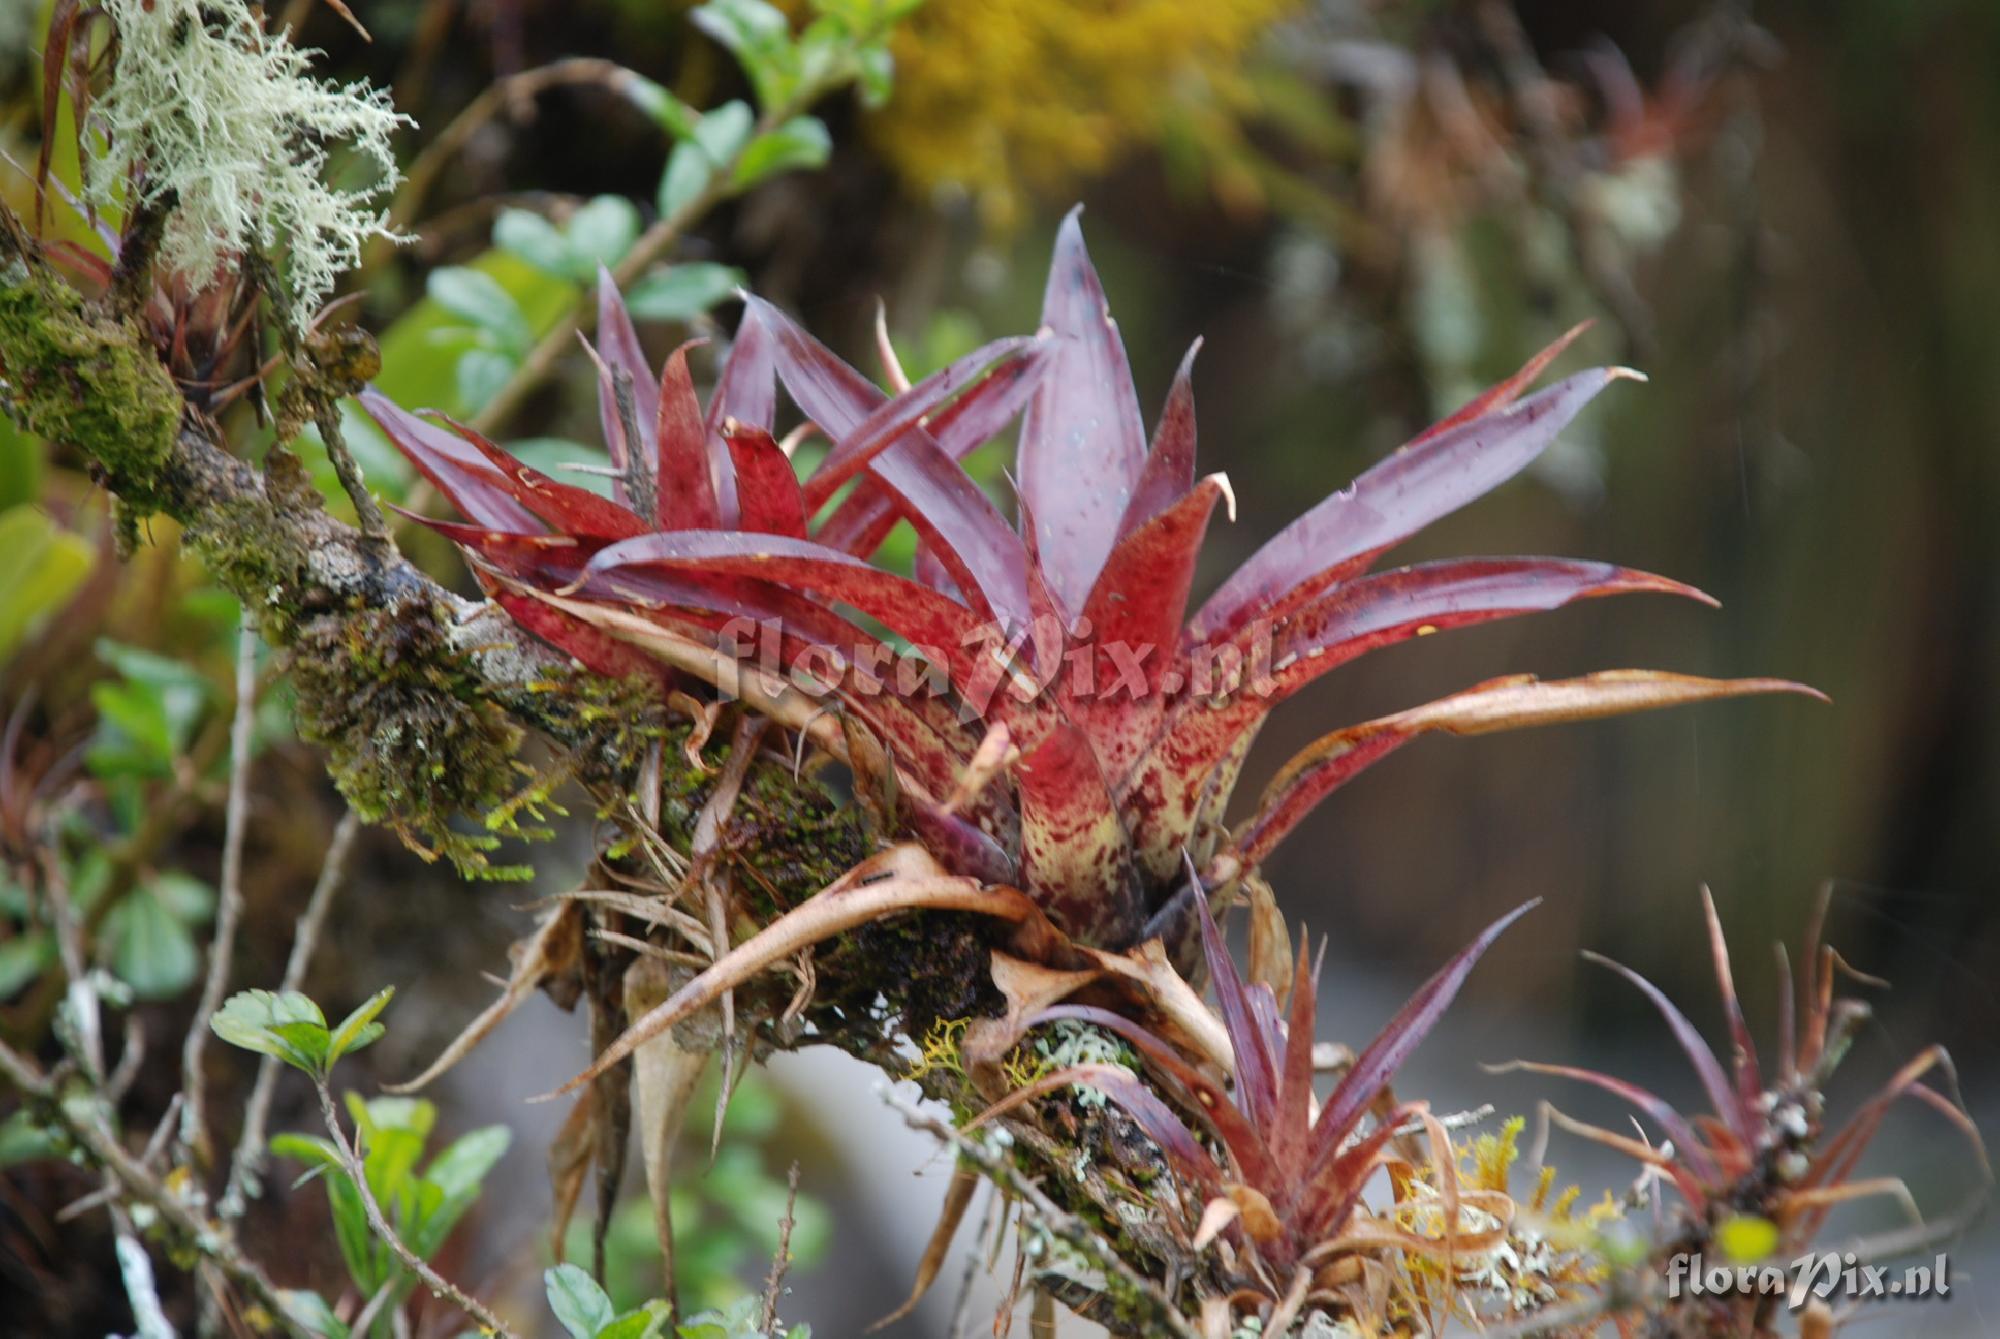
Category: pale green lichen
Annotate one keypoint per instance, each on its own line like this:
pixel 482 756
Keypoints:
pixel 220 124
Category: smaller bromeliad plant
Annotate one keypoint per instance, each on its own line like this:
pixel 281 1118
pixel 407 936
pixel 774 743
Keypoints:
pixel 1758 1173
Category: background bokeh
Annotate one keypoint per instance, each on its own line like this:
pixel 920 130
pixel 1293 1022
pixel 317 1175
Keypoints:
pixel 1788 217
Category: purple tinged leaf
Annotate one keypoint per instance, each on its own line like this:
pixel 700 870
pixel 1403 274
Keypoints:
pixel 1377 1064
pixel 1246 1145
pixel 1749 1084
pixel 1153 1117
pixel 620 351
pixel 1293 1126
pixel 1324 634
pixel 1707 1068
pixel 1083 444
pixel 1168 473
pixel 959 521
pixel 866 516
pixel 1256 1061
pixel 573 511
pixel 1394 500
pixel 1506 392
pixel 747 391
pixel 1688 1146
pixel 454 466
pixel 931 621
pixel 992 370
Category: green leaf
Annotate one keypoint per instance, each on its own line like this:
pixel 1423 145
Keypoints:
pixel 600 233
pixel 535 240
pixel 312 1311
pixel 761 38
pixel 20 465
pixel 578 1302
pixel 478 299
pixel 648 1322
pixel 875 74
pixel 551 454
pixel 480 374
pixel 359 1028
pixel 682 292
pixel 463 1166
pixel 674 116
pixel 23 958
pixel 151 949
pixel 723 132
pixel 24 1139
pixel 47 563
pixel 187 897
pixel 800 143
pixel 687 176
pixel 268 1022
pixel 147 720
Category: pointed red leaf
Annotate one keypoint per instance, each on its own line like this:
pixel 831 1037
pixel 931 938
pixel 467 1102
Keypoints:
pixel 1083 444
pixel 767 491
pixel 1707 1068
pixel 1134 614
pixel 1688 1146
pixel 1506 392
pixel 993 370
pixel 1074 856
pixel 1348 621
pixel 964 529
pixel 1515 702
pixel 571 510
pixel 1749 1083
pixel 454 466
pixel 686 478
pixel 1256 1053
pixel 1378 1062
pixel 1293 1126
pixel 1394 500
pixel 866 516
pixel 1169 469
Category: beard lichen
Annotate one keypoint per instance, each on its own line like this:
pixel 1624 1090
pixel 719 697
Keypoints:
pixel 217 122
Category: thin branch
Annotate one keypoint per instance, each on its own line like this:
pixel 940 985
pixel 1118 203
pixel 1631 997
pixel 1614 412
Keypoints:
pixel 1059 1223
pixel 377 1221
pixel 229 905
pixel 774 1282
pixel 247 1164
pixel 141 1186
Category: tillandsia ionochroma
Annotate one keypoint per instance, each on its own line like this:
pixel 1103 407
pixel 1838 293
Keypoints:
pixel 1091 730
pixel 1763 1148
pixel 1286 1195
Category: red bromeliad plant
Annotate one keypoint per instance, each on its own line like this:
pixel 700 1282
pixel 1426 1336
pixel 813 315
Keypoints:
pixel 1286 1195
pixel 1112 721
pixel 1763 1149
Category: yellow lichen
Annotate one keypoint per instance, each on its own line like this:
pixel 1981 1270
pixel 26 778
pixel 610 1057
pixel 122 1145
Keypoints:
pixel 1010 97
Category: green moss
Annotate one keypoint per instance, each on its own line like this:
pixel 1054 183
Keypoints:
pixel 409 742
pixel 84 379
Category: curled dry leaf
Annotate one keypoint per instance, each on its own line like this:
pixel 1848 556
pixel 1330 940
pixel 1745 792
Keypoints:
pixel 901 879
pixel 550 952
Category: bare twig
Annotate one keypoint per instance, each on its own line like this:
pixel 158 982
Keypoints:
pixel 229 904
pixel 85 1127
pixel 774 1282
pixel 248 1161
pixel 379 1223
pixel 1056 1221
